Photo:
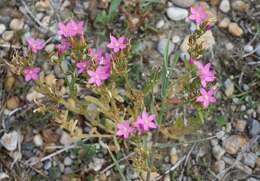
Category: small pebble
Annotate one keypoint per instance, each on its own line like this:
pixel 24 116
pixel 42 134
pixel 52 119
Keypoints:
pixel 224 23
pixel 12 103
pixel 235 30
pixel 67 161
pixel 224 6
pixel 176 14
pixel 66 139
pixel 239 5
pixel 219 166
pixel 8 35
pixel 2 28
pixel 248 48
pixel 257 49
pixel 160 24
pixel 250 159
pixel 10 140
pixel 229 87
pixel 17 24
pixel 229 46
pixel 218 152
pixel 162 45
pixel 184 3
pixel 47 165
pixel 254 127
pixel 220 134
pixel 176 39
pixel 68 170
pixel 184 56
pixel 233 143
pixel 37 139
pixel 240 125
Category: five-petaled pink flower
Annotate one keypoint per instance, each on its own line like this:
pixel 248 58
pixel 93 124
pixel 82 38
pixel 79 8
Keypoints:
pixel 75 27
pixel 95 54
pixel 31 73
pixel 64 45
pixel 97 76
pixel 198 14
pixel 206 97
pixel 63 30
pixel 82 66
pixel 204 72
pixel 35 44
pixel 145 122
pixel 117 44
pixel 124 129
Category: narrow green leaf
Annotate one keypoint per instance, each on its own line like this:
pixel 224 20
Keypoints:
pixel 114 6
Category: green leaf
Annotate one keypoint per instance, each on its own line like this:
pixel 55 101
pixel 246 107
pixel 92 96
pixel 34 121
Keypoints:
pixel 114 6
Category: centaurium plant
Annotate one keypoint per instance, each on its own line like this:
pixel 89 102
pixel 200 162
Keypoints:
pixel 97 86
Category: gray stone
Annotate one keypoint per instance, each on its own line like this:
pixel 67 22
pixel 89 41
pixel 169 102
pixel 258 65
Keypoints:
pixel 184 56
pixel 254 127
pixel 37 139
pixel 233 143
pixel 177 14
pixel 68 170
pixel 219 166
pixel 97 164
pixel 65 138
pixel 230 87
pixel 162 45
pixel 218 152
pixel 17 24
pixel 252 179
pixel 184 3
pixel 47 165
pixel 220 134
pixel 224 6
pixel 67 161
pixel 2 28
pixel 248 48
pixel 249 159
pixel 8 35
pixel 160 24
pixel 257 49
pixel 10 140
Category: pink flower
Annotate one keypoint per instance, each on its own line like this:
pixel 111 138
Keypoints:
pixel 35 44
pixel 31 73
pixel 82 66
pixel 145 122
pixel 117 44
pixel 64 45
pixel 198 14
pixel 97 76
pixel 204 72
pixel 95 54
pixel 124 129
pixel 63 30
pixel 105 60
pixel 191 60
pixel 206 97
pixel 75 27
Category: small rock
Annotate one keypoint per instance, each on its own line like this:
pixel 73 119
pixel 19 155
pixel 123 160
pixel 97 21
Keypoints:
pixel 220 134
pixel 177 14
pixel 47 165
pixel 214 2
pixel 252 179
pixel 254 127
pixel 176 39
pixel 97 164
pixel 42 5
pixel 49 48
pixel 219 166
pixel 160 24
pixel 214 142
pixel 257 49
pixel 167 178
pixel 66 139
pixel 229 46
pixel 257 162
pixel 17 24
pixel 68 170
pixel 50 80
pixel 174 159
pixel 224 6
pixel 184 56
pixel 184 3
pixel 233 143
pixel 240 6
pixel 162 45
pixel 37 139
pixel 12 103
pixel 248 48
pixel 33 95
pixel 224 23
pixel 8 35
pixel 240 125
pixel 10 140
pixel 218 152
pixel 2 28
pixel 67 161
pixel 153 175
pixel 9 83
pixel 229 87
pixel 235 30
pixel 46 21
pixel 249 159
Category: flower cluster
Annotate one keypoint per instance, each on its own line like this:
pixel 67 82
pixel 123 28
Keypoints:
pixel 204 72
pixel 71 28
pixel 143 123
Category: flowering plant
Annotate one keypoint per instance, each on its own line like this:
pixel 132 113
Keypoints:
pixel 93 85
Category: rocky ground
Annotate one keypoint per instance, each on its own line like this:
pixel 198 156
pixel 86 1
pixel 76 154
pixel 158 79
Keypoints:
pixel 227 148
